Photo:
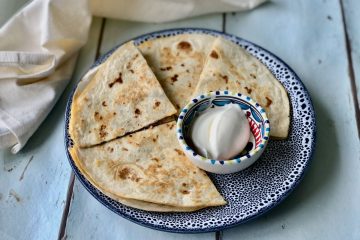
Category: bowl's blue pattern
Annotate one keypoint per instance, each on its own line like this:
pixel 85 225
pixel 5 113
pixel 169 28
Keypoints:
pixel 249 193
pixel 259 123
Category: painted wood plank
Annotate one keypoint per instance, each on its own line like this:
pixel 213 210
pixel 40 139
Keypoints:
pixel 34 183
pixel 309 36
pixel 352 18
pixel 117 31
pixel 9 8
pixel 87 216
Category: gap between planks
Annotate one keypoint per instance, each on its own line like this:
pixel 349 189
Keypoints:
pixel 69 195
pixel 62 231
pixel 351 72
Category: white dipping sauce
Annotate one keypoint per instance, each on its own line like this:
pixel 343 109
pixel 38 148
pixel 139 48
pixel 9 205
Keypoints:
pixel 220 133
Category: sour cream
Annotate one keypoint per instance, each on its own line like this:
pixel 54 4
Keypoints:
pixel 221 132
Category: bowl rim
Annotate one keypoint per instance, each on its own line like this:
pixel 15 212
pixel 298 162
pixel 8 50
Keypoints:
pixel 214 94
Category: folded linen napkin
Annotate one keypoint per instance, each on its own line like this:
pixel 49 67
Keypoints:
pixel 39 45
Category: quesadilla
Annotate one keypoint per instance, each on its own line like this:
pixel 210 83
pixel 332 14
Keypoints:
pixel 177 62
pixel 152 207
pixel 148 167
pixel 123 96
pixel 230 67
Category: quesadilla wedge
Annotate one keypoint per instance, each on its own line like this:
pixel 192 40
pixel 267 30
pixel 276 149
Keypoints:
pixel 230 67
pixel 148 166
pixel 123 96
pixel 177 62
pixel 152 207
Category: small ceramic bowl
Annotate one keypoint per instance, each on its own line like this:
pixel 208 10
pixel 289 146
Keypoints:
pixel 259 127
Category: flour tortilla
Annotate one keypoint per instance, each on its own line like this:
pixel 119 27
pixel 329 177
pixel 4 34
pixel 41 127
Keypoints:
pixel 177 62
pixel 123 96
pixel 152 207
pixel 148 166
pixel 230 67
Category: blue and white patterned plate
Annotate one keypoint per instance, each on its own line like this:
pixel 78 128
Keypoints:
pixel 251 192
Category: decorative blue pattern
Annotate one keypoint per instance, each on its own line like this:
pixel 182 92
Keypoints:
pixel 249 193
pixel 220 99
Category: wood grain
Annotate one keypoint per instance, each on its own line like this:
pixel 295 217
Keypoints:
pixel 10 7
pixel 117 32
pixel 351 18
pixel 309 36
pixel 88 216
pixel 33 182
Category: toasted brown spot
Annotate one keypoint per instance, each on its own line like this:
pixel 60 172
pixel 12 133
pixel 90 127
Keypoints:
pixel 123 173
pixel 137 111
pixel 189 85
pixel 268 102
pixel 183 45
pixel 226 78
pixel 132 71
pixel 102 132
pixel 248 90
pixel 110 149
pixel 126 173
pixel 166 68
pixel 185 192
pixel 104 104
pixel 124 149
pixel 171 126
pixel 157 104
pixel 130 135
pixel 183 65
pixel 174 78
pixel 181 153
pixel 155 159
pixel 177 106
pixel 253 76
pixel 118 80
pixel 214 54
pixel 184 184
pixel 97 116
pixel 114 113
pixel 154 139
pixel 187 70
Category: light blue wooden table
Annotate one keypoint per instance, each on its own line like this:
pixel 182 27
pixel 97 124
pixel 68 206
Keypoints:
pixel 320 40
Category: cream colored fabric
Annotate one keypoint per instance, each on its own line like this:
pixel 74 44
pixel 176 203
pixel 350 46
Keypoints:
pixel 166 10
pixel 38 48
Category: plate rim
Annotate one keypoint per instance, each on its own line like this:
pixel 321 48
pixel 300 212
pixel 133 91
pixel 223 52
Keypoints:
pixel 190 30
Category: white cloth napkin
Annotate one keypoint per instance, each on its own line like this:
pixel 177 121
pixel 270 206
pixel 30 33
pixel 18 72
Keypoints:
pixel 39 45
